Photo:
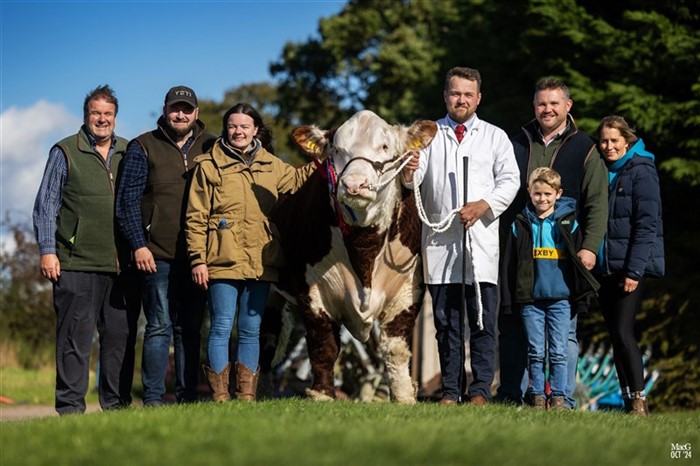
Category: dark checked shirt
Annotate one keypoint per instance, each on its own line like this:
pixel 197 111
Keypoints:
pixel 130 189
pixel 50 196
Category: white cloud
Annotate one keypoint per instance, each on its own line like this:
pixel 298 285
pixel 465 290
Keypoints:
pixel 26 135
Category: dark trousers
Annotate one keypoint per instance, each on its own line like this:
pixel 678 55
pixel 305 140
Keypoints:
pixel 450 331
pixel 131 283
pixel 512 358
pixel 83 301
pixel 619 311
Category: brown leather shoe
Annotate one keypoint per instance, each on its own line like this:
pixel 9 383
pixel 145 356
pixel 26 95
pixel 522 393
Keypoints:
pixel 478 400
pixel 447 402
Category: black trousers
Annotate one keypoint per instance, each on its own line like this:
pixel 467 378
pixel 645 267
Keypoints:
pixel 449 326
pixel 619 311
pixel 84 301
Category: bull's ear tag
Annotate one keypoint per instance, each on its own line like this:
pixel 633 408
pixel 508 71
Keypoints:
pixel 312 146
pixel 416 144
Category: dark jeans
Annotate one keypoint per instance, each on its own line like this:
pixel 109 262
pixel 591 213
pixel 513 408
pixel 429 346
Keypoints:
pixel 173 306
pixel 83 301
pixel 447 314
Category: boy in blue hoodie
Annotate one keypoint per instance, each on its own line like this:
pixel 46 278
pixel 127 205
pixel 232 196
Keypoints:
pixel 543 277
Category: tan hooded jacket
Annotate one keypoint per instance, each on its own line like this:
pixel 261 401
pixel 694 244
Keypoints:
pixel 227 220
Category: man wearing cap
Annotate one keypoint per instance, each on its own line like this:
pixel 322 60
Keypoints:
pixel 151 196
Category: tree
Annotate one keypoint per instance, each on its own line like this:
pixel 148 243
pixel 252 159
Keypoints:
pixel 638 58
pixel 26 303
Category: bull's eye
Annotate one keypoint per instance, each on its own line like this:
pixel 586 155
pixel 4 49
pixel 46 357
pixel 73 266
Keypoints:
pixel 385 148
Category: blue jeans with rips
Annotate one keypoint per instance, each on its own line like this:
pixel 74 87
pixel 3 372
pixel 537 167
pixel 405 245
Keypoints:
pixel 546 325
pixel 173 306
pixel 226 298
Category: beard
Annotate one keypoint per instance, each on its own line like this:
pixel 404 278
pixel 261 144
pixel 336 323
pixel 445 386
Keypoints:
pixel 181 132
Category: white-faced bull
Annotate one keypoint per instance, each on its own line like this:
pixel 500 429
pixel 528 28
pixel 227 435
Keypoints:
pixel 351 238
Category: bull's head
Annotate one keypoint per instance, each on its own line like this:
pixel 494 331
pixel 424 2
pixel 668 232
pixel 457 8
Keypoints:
pixel 366 153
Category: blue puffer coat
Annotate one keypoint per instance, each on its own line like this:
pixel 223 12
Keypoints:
pixel 634 243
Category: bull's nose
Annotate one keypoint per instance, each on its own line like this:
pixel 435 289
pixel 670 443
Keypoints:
pixel 354 184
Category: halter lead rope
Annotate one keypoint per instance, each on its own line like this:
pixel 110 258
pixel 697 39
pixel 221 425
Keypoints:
pixel 442 226
pixel 438 227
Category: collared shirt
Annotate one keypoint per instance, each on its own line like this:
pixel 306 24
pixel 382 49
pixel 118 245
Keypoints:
pixel 50 196
pixel 132 185
pixel 556 136
pixel 467 124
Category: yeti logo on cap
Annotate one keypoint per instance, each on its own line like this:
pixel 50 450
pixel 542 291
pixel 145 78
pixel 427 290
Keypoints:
pixel 181 94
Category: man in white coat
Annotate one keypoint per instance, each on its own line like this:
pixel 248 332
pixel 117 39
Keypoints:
pixel 493 180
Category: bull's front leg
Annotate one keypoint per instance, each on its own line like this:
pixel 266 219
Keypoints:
pixel 395 345
pixel 323 345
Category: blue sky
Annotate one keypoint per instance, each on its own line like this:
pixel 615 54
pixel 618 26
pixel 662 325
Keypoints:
pixel 54 52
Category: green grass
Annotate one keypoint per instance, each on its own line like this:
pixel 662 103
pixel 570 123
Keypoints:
pixel 36 387
pixel 301 432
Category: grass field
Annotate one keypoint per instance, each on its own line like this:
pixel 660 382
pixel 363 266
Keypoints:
pixel 301 432
pixel 36 387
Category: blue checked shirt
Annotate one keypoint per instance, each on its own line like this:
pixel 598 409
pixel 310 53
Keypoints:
pixel 50 196
pixel 132 184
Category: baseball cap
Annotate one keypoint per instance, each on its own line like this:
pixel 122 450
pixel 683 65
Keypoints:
pixel 181 94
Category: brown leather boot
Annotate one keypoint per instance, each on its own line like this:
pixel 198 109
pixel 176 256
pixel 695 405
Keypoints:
pixel 246 382
pixel 218 383
pixel 556 403
pixel 538 402
pixel 638 405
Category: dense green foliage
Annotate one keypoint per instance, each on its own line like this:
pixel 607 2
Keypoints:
pixel 639 58
pixel 294 432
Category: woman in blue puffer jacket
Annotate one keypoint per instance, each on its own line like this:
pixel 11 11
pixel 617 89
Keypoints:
pixel 632 250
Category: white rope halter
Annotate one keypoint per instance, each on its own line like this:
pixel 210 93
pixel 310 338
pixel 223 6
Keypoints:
pixel 438 227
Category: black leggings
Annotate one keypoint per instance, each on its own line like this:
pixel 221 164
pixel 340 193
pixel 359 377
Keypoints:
pixel 619 310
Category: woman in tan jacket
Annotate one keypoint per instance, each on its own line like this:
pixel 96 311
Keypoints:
pixel 234 248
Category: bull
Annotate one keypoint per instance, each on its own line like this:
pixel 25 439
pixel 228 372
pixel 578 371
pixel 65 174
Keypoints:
pixel 351 238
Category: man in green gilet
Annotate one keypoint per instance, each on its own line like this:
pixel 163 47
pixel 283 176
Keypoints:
pixel 151 199
pixel 75 230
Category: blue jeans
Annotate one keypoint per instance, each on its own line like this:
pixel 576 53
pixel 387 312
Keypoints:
pixel 249 298
pixel 513 360
pixel 173 306
pixel 550 317
pixel 572 364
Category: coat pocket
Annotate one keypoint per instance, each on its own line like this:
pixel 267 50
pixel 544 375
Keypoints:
pixel 221 247
pixel 69 230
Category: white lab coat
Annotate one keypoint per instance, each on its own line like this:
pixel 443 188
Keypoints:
pixel 493 176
